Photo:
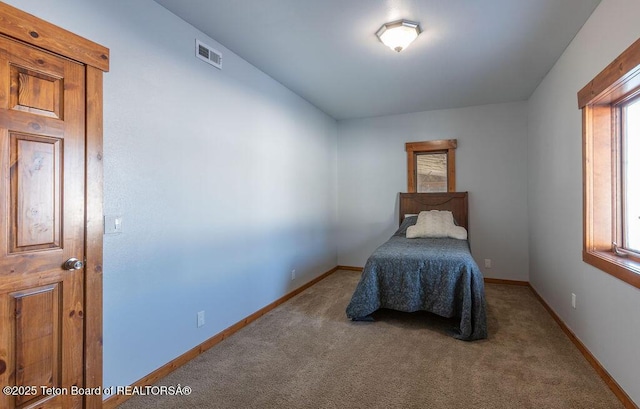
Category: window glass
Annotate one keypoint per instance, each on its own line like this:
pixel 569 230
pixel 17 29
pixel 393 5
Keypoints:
pixel 431 172
pixel 631 178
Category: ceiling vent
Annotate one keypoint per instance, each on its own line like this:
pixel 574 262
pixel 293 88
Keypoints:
pixel 208 54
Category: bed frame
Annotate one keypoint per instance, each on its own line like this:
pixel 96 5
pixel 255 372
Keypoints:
pixel 456 202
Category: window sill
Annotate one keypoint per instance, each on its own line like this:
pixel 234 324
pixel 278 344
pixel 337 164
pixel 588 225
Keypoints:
pixel 625 269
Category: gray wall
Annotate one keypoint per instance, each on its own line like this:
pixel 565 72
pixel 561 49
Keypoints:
pixel 226 180
pixel 490 164
pixel 607 318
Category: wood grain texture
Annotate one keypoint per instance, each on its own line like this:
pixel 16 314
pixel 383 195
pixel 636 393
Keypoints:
pixel 35 92
pixel 27 150
pixel 451 169
pixel 599 177
pixel 115 400
pixel 350 268
pixel 431 146
pixel 37 330
pixel 22 99
pixel 506 282
pixel 412 177
pixel 35 31
pixel 74 225
pixel 28 123
pixel 455 202
pixel 94 235
pixel 602 372
pixel 35 193
pixel 618 78
pixel 7 338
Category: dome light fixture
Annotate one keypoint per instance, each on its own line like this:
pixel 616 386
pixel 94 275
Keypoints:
pixel 398 34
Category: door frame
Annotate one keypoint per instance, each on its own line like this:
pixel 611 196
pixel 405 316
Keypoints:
pixel 34 31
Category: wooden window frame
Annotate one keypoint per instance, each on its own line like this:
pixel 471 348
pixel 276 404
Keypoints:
pixel 600 103
pixel 414 149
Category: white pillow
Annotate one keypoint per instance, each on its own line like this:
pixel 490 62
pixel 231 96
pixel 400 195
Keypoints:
pixel 436 223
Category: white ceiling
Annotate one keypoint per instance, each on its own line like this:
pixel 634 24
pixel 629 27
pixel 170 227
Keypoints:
pixel 471 52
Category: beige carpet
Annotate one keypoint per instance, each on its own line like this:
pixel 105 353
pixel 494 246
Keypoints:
pixel 306 354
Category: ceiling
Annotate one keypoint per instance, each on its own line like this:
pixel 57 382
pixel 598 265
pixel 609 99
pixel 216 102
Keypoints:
pixel 471 52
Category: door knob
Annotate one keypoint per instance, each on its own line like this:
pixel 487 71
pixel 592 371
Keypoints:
pixel 72 264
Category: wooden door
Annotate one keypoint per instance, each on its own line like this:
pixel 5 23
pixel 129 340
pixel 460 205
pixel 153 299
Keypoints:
pixel 42 222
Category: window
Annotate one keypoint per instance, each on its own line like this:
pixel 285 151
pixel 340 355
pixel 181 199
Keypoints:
pixel 630 170
pixel 431 166
pixel 610 106
pixel 431 172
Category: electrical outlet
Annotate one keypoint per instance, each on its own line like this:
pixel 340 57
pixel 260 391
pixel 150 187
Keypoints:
pixel 293 275
pixel 487 263
pixel 573 300
pixel 200 318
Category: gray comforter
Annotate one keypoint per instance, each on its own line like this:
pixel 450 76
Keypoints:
pixel 435 275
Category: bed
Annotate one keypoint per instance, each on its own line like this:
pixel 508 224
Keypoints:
pixel 437 275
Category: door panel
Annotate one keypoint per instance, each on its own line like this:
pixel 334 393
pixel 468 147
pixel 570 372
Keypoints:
pixel 41 225
pixel 35 192
pixel 37 334
pixel 35 92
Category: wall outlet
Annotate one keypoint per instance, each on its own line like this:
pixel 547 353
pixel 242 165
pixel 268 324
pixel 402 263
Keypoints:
pixel 200 318
pixel 573 300
pixel 487 263
pixel 293 275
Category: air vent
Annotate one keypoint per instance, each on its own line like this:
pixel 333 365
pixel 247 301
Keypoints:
pixel 208 54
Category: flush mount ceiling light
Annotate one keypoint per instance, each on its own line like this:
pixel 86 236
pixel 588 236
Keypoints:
pixel 398 34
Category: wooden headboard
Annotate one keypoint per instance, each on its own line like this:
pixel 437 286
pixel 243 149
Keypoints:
pixel 456 202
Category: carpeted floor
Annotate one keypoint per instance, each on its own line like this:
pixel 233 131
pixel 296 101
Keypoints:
pixel 306 354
